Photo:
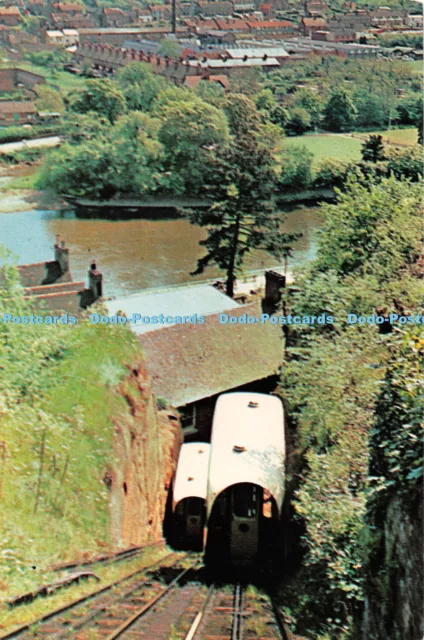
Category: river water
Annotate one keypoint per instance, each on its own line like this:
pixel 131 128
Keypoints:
pixel 135 254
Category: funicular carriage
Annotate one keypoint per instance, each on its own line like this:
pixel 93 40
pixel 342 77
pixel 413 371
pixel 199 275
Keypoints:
pixel 246 477
pixel 189 496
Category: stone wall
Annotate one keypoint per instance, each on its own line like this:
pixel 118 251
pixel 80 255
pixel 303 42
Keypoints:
pixel 394 590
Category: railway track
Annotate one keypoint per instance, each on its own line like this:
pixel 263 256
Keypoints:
pixel 236 614
pixel 85 612
pixel 163 603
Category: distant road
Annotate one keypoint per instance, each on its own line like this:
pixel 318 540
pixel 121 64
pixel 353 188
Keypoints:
pixel 52 141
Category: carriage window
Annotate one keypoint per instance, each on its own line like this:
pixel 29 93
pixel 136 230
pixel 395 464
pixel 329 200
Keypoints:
pixel 245 500
pixel 193 506
pixel 188 418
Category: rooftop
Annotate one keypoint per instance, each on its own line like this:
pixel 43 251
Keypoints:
pixel 11 106
pixel 250 62
pixel 184 300
pixel 189 362
pixel 258 52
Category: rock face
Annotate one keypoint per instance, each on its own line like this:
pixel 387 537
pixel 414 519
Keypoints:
pixel 394 592
pixel 146 448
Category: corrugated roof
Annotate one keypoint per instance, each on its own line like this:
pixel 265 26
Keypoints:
pixel 190 362
pixel 230 63
pixel 258 52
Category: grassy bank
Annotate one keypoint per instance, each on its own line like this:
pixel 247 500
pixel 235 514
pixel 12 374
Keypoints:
pixel 57 399
pixel 62 79
pixel 328 146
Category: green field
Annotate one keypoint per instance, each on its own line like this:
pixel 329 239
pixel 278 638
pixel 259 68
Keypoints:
pixel 397 136
pixel 62 79
pixel 324 146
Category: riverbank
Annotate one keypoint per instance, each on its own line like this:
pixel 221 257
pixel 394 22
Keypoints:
pixel 18 190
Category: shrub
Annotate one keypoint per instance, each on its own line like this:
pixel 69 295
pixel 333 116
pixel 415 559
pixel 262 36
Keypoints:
pixel 333 173
pixel 296 168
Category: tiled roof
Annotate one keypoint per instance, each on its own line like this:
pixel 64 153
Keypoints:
pixel 9 11
pixel 188 362
pixel 270 24
pixel 110 11
pixel 313 22
pixel 11 106
pixel 70 6
pixel 231 24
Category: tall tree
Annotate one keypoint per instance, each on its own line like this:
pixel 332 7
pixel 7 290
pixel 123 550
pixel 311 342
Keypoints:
pixel 102 96
pixel 339 112
pixel 372 149
pixel 188 127
pixel 240 185
pixel 139 85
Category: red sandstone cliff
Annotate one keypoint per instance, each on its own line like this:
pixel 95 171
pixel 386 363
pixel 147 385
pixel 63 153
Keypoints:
pixel 146 447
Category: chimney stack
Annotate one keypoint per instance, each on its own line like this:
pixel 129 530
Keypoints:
pixel 95 281
pixel 61 254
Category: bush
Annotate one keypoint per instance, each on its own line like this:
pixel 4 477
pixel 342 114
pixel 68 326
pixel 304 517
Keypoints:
pixel 296 168
pixel 298 122
pixel 405 163
pixel 333 173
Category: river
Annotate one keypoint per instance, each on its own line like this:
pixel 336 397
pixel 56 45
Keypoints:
pixel 134 254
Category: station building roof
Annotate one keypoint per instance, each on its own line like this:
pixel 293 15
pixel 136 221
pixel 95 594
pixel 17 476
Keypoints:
pixel 189 362
pixel 200 299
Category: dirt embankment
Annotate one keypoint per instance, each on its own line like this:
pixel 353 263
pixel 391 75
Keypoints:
pixel 146 448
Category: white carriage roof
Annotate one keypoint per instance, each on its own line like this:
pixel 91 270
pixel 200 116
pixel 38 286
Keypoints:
pixel 248 444
pixel 192 471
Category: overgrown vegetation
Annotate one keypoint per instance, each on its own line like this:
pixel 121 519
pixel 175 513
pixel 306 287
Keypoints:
pixel 57 400
pixel 332 380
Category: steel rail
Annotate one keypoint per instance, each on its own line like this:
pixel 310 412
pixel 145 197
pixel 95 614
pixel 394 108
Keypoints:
pixel 18 630
pixel 198 619
pixel 237 630
pixel 149 605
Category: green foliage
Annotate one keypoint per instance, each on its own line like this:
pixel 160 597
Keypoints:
pixel 240 184
pixel 265 101
pixel 57 398
pixel 139 85
pixel 187 129
pixel 170 48
pixel 400 40
pixel 298 122
pixel 49 59
pixel 373 149
pixel 211 92
pixel 81 170
pixel 341 383
pixel 397 436
pixel 102 96
pixel 49 100
pixel 108 160
pixel 372 229
pixel 405 163
pixel 339 112
pixel 333 173
pixel 372 109
pixel 296 170
pixel 78 128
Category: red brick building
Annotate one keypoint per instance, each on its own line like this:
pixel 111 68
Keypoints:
pixel 10 16
pixel 13 112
